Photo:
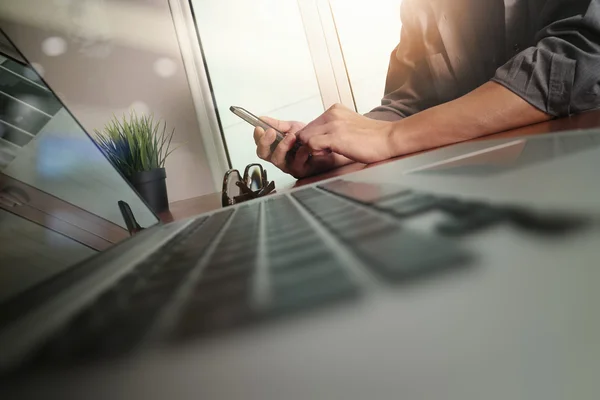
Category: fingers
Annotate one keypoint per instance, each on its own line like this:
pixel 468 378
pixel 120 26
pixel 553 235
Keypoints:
pixel 263 141
pixel 258 134
pixel 320 145
pixel 321 134
pixel 315 129
pixel 297 165
pixel 330 121
pixel 278 158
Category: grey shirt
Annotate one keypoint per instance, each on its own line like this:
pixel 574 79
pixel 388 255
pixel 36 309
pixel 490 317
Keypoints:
pixel 545 51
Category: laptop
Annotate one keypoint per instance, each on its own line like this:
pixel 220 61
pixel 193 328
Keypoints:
pixel 467 272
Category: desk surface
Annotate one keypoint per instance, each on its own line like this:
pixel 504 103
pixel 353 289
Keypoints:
pixel 188 208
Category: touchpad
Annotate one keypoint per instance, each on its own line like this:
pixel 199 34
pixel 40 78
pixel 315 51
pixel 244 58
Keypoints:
pixel 514 155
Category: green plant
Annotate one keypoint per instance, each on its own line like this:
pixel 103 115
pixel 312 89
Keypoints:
pixel 136 143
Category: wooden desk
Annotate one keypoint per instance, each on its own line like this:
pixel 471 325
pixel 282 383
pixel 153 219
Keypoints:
pixel 198 205
pixel 58 215
pixel 582 121
pixel 188 208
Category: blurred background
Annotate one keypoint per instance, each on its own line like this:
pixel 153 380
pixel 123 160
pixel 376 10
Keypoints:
pixel 187 62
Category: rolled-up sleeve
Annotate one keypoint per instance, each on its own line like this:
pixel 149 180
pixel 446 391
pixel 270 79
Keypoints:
pixel 560 75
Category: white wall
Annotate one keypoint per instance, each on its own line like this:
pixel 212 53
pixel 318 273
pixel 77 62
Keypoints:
pixel 110 56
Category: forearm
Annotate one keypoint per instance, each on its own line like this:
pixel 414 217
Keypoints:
pixel 488 109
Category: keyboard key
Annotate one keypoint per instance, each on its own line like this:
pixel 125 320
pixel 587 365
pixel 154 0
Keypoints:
pixel 300 294
pixel 300 258
pixel 316 265
pixel 301 230
pixel 368 193
pixel 550 224
pixel 362 225
pixel 470 219
pixel 216 276
pixel 350 214
pixel 411 205
pixel 239 247
pixel 371 229
pixel 403 253
pixel 456 207
pixel 281 248
pixel 224 259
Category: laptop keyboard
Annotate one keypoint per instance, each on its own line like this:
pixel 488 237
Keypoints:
pixel 121 316
pixel 465 216
pixel 391 251
pixel 244 282
pixel 266 259
pixel 221 297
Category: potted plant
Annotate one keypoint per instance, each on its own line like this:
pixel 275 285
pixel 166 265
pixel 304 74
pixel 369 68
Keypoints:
pixel 139 146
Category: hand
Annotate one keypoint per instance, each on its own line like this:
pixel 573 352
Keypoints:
pixel 299 165
pixel 349 134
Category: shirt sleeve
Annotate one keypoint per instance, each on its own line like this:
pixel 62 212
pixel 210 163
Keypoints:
pixel 408 87
pixel 560 75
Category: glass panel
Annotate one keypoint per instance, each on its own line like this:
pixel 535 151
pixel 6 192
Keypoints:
pixel 60 160
pixel 64 162
pixel 258 58
pixel 22 70
pixel 27 244
pixel 28 91
pixel 253 178
pixel 367 50
pixel 14 135
pixel 21 115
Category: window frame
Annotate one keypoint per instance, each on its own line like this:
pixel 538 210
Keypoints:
pixel 326 51
pixel 211 130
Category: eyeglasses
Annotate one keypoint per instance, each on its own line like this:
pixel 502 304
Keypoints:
pixel 254 184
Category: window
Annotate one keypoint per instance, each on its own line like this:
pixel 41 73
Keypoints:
pixel 26 106
pixel 257 58
pixel 290 59
pixel 367 50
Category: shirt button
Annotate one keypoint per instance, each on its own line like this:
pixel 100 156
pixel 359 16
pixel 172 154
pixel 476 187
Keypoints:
pixel 517 48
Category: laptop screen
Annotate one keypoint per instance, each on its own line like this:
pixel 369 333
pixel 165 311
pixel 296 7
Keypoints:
pixel 58 193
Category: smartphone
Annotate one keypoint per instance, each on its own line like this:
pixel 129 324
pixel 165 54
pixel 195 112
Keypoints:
pixel 257 122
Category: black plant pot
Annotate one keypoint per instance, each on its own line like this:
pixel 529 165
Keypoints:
pixel 152 186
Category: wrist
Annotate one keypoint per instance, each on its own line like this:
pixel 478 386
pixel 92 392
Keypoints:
pixel 399 139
